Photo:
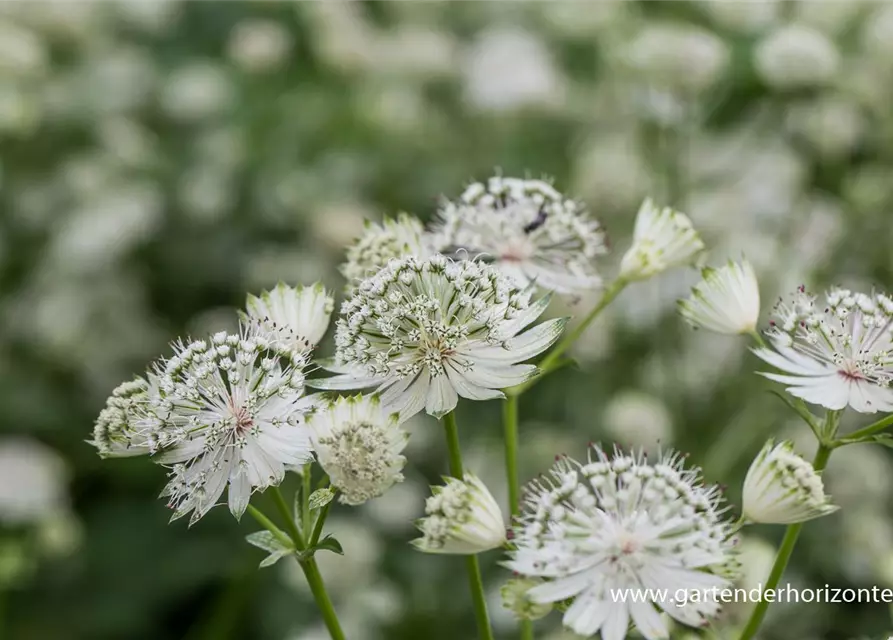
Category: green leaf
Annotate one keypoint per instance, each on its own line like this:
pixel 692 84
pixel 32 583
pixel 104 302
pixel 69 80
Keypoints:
pixel 272 559
pixel 326 544
pixel 321 497
pixel 884 439
pixel 270 543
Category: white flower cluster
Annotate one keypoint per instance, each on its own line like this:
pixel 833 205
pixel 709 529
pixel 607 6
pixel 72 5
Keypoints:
pixel 620 522
pixel 461 518
pixel 380 243
pixel 783 488
pixel 125 425
pixel 358 446
pixel 528 229
pixel 835 355
pixel 424 332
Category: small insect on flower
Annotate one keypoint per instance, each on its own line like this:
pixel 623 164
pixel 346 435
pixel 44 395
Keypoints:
pixel 380 243
pixel 358 446
pixel 836 355
pixel 461 517
pixel 128 425
pixel 293 319
pixel 596 531
pixel 424 332
pixel 783 488
pixel 233 412
pixel 530 231
pixel 662 239
pixel 727 300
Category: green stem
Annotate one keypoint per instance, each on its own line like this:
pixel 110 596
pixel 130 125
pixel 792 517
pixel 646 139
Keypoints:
pixel 551 361
pixel 781 560
pixel 321 596
pixel 307 482
pixel 320 521
pixel 475 583
pixel 308 565
pixel 285 513
pixel 510 427
pixel 758 338
pixel 871 429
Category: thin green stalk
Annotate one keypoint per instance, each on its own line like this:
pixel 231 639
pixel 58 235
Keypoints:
pixel 307 489
pixel 285 513
pixel 782 558
pixel 871 429
pixel 320 522
pixel 510 427
pixel 551 361
pixel 308 565
pixel 758 338
pixel 475 583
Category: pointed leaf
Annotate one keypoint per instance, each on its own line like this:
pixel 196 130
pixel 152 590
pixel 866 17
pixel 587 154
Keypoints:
pixel 883 439
pixel 321 497
pixel 326 544
pixel 267 541
pixel 272 559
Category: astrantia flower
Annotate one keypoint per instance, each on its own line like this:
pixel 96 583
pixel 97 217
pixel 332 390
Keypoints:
pixel 835 355
pixel 380 243
pixel 294 319
pixel 461 517
pixel 233 417
pixel 727 300
pixel 358 446
pixel 527 229
pixel 783 488
pixel 515 598
pixel 126 425
pixel 620 523
pixel 424 332
pixel 662 238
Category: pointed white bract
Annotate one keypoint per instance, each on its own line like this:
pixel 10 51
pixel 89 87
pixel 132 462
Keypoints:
pixel 233 417
pixel 662 239
pixel 126 425
pixel 293 319
pixel 619 522
pixel 359 446
pixel 425 332
pixel 461 517
pixel 383 242
pixel 530 231
pixel 836 354
pixel 783 488
pixel 727 300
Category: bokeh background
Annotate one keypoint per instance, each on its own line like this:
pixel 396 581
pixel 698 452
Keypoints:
pixel 160 159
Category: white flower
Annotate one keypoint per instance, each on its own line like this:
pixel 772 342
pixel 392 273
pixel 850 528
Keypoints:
pixel 835 355
pixel 380 243
pixel 515 599
pixel 233 414
pixel 662 238
pixel 783 488
pixel 796 56
pixel 292 318
pixel 680 57
pixel 621 523
pixel 358 446
pixel 461 517
pixel 727 300
pixel 424 332
pixel 529 230
pixel 32 482
pixel 124 427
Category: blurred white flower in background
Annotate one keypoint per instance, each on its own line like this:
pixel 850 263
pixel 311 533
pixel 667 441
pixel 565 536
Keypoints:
pixel 508 68
pixel 33 481
pixel 834 126
pixel 751 16
pixel 582 19
pixel 875 36
pixel 259 45
pixel 611 171
pixel 415 51
pixel 795 56
pixel 677 56
pixel 198 90
pixel 22 51
pixel 636 419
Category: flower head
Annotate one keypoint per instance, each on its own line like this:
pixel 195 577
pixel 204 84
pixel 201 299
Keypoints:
pixel 233 413
pixel 294 319
pixel 835 355
pixel 461 517
pixel 515 599
pixel 527 229
pixel 126 425
pixel 380 243
pixel 424 332
pixel 783 488
pixel 727 300
pixel 618 522
pixel 358 446
pixel 662 238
